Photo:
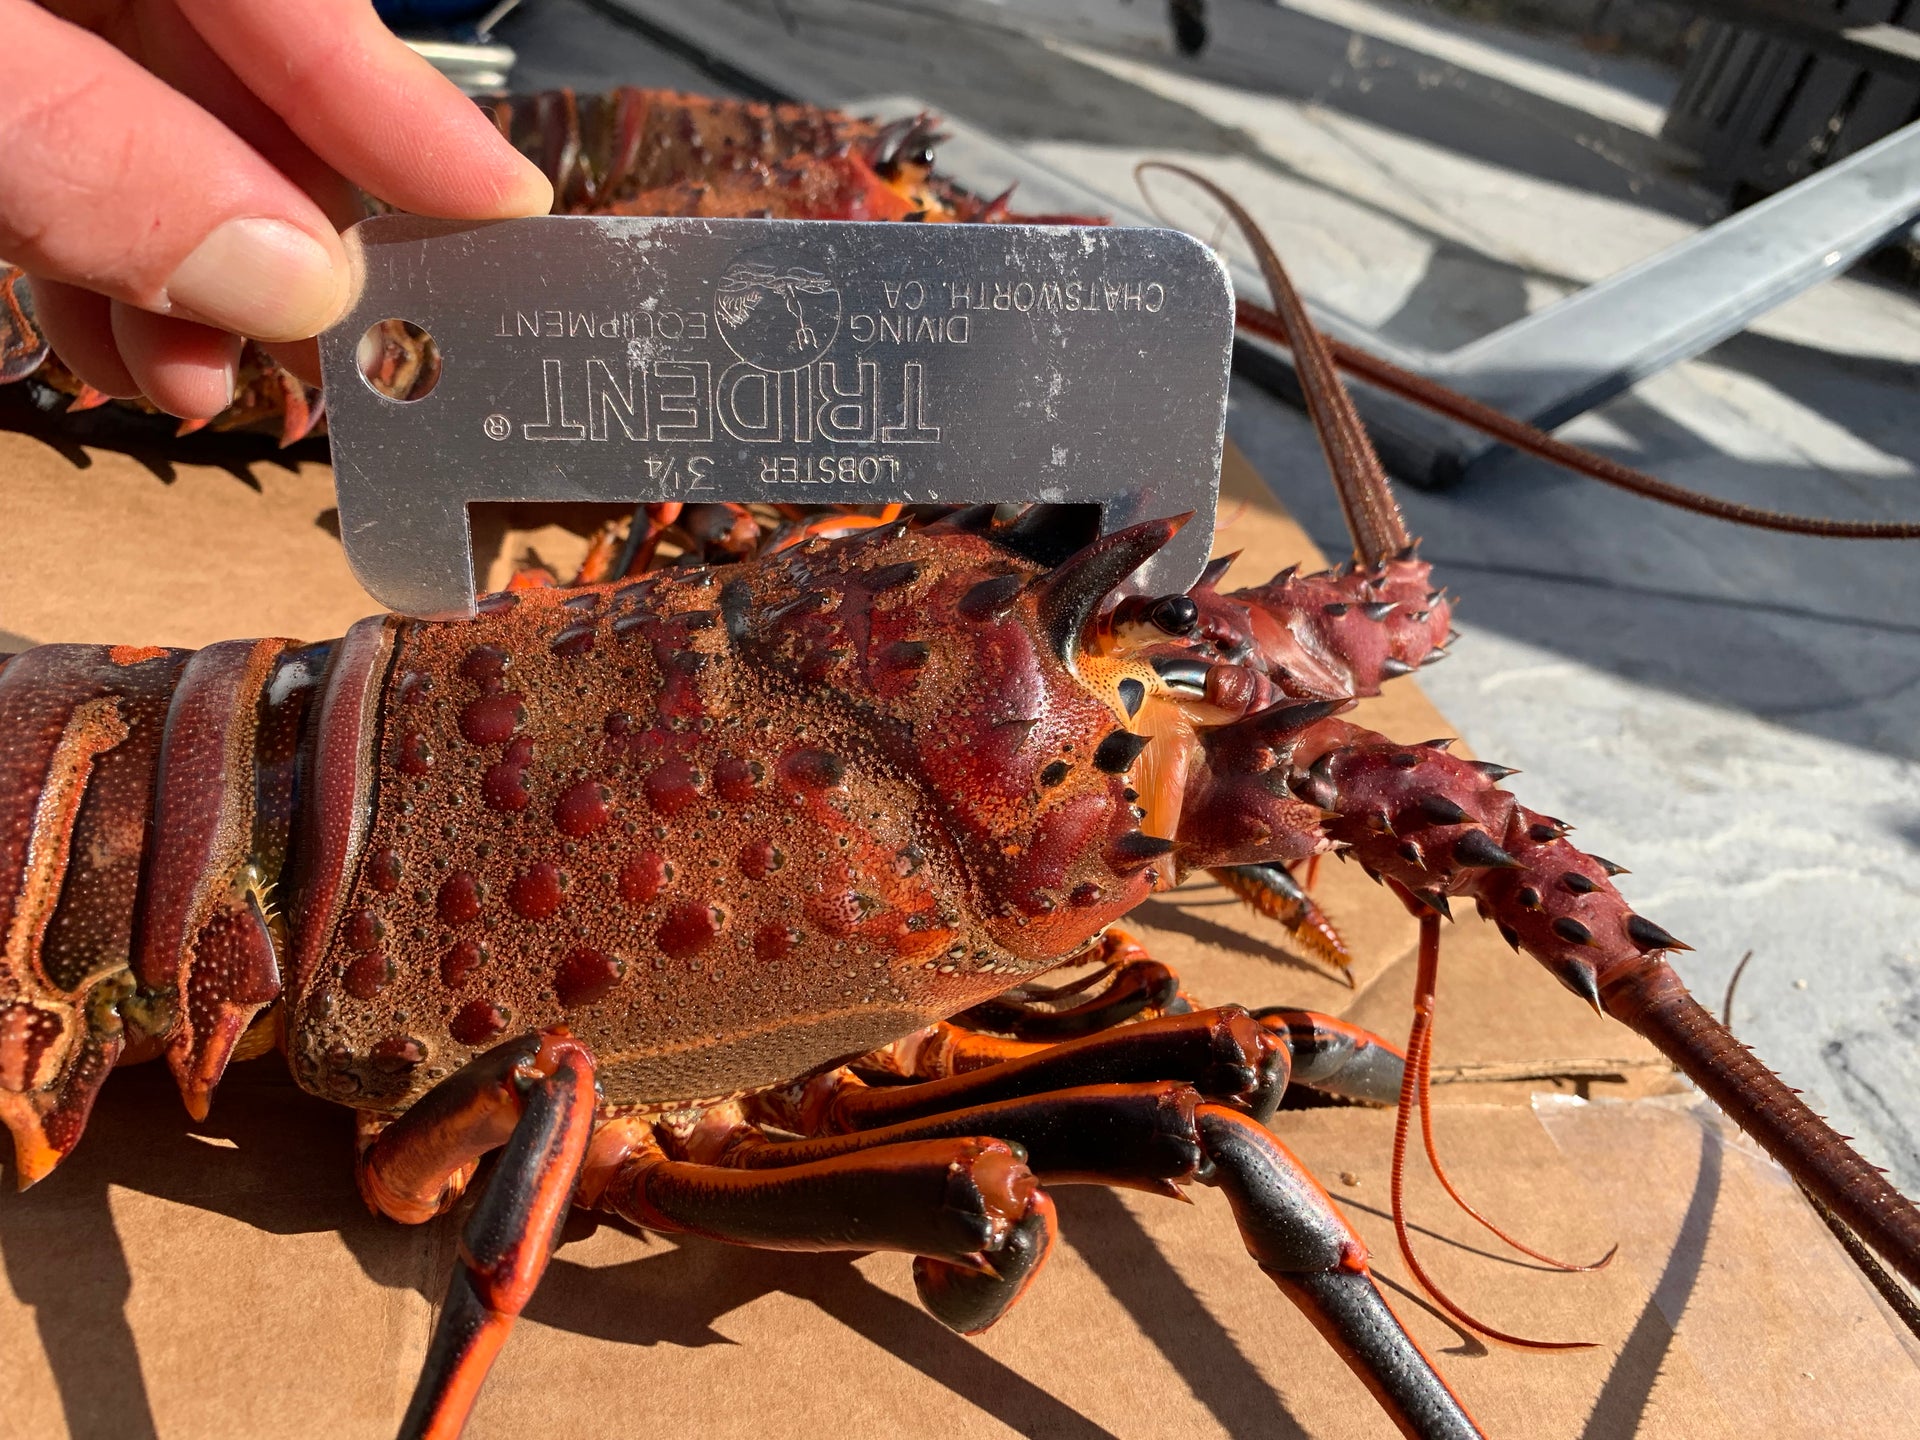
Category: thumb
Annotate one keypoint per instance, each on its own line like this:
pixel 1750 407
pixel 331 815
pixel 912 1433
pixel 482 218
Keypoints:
pixel 119 184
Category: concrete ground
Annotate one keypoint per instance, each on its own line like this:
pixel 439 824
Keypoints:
pixel 1733 714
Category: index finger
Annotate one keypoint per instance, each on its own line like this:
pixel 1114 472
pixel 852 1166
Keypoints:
pixel 371 108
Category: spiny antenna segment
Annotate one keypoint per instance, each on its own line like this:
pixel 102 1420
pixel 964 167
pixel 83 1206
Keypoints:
pixel 1524 437
pixel 1373 516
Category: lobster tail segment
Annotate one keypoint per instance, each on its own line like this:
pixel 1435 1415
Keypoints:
pixel 80 733
pixel 145 803
pixel 211 937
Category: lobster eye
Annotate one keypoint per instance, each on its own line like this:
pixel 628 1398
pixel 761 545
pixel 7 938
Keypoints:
pixel 1175 614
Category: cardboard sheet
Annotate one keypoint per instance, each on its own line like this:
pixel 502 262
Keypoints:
pixel 223 1279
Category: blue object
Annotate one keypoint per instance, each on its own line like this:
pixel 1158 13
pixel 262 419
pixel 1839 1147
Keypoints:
pixel 401 14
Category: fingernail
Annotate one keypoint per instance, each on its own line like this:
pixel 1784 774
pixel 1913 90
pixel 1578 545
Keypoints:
pixel 264 279
pixel 534 192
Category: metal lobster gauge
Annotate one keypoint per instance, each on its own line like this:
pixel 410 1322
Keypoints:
pixel 616 359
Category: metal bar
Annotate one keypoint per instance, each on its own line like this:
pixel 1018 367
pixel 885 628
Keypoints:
pixel 626 359
pixel 1566 359
pixel 1546 368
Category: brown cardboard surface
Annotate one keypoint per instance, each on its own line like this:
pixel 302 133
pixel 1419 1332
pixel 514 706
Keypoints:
pixel 223 1279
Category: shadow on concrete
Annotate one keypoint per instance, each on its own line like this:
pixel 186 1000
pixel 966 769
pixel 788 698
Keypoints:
pixel 981 70
pixel 1277 51
pixel 1037 92
pixel 1821 636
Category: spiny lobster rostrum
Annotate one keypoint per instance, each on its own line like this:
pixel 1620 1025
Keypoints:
pixel 713 896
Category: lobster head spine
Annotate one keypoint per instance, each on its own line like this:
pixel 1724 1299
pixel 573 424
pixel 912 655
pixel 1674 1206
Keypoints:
pixel 1236 681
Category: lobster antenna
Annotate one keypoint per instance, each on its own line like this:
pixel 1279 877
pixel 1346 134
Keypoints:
pixel 1888 1286
pixel 1524 437
pixel 1373 516
pixel 1419 1041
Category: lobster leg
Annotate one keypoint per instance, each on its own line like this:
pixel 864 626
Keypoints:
pixel 1134 984
pixel 536 1094
pixel 1134 988
pixel 969 1210
pixel 1294 1233
pixel 1154 1136
pixel 1340 1058
pixel 1134 1136
pixel 1222 1052
pixel 1327 1053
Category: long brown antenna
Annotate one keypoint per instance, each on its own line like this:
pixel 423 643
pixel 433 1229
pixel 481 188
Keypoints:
pixel 1373 516
pixel 1522 436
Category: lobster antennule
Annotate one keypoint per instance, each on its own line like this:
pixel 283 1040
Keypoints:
pixel 1373 515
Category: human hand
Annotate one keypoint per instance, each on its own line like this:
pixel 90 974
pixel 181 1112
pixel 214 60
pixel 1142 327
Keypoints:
pixel 175 174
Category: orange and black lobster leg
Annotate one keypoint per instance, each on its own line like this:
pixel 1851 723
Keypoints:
pixel 1137 1137
pixel 535 1094
pixel 1295 1234
pixel 1132 989
pixel 1222 1052
pixel 1340 1058
pixel 1130 983
pixel 1326 1053
pixel 968 1209
pixel 1158 1136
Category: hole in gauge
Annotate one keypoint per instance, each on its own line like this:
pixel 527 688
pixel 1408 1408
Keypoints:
pixel 399 360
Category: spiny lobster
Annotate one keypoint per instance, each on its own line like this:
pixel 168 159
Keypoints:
pixel 715 896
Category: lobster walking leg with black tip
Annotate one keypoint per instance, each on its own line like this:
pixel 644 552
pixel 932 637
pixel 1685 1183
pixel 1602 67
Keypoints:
pixel 718 890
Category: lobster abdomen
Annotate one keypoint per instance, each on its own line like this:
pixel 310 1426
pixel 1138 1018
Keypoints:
pixel 80 731
pixel 145 795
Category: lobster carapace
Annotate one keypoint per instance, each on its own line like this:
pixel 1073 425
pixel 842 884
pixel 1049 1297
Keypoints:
pixel 736 796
